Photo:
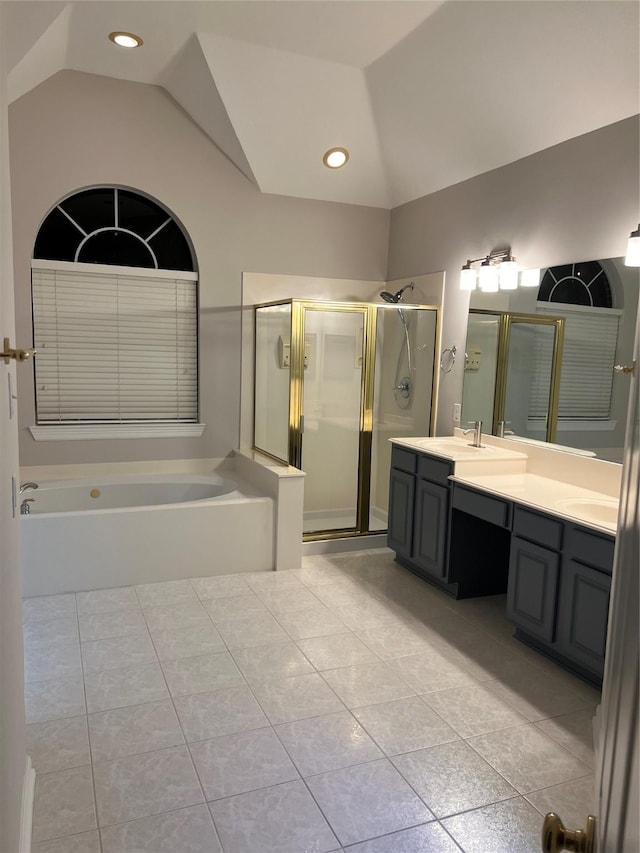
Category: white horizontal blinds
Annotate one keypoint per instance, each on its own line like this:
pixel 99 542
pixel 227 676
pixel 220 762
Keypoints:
pixel 588 357
pixel 114 346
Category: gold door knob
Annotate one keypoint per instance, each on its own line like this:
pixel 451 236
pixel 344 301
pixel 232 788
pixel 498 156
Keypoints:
pixel 19 354
pixel 556 838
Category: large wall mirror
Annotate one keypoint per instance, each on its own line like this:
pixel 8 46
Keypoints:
pixel 598 303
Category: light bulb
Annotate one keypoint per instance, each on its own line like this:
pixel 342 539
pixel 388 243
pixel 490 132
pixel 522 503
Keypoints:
pixel 334 158
pixel 123 39
pixel 508 275
pixel 467 278
pixel 632 258
pixel 530 278
pixel 488 277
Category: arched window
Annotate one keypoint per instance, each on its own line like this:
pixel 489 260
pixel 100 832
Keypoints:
pixel 584 283
pixel 115 313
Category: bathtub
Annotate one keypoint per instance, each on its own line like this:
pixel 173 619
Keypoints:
pixel 95 533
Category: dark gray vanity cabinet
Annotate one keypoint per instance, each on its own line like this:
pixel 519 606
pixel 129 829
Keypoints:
pixel 431 519
pixel 532 591
pixel 557 574
pixel 419 511
pixel 534 572
pixel 583 604
pixel 402 487
pixel 558 591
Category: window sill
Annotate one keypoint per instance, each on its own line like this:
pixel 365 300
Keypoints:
pixel 84 432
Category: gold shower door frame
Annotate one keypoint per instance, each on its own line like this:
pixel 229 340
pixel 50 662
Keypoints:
pixel 369 311
pixel 507 319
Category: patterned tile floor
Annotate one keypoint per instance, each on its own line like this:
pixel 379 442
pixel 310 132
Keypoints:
pixel 346 706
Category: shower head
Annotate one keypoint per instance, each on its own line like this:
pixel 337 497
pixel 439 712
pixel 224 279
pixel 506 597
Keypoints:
pixel 394 298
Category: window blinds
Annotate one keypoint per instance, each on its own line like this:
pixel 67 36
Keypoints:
pixel 114 344
pixel 588 356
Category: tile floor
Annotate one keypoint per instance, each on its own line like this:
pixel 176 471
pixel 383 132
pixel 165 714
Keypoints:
pixel 346 706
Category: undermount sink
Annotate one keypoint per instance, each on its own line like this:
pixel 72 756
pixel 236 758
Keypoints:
pixel 452 446
pixel 601 511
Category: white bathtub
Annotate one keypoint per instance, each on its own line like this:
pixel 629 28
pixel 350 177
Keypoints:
pixel 121 530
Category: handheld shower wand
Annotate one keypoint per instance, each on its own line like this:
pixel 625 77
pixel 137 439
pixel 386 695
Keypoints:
pixel 394 298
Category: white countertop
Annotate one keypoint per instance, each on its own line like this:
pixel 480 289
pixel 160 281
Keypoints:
pixel 585 506
pixel 504 473
pixel 458 449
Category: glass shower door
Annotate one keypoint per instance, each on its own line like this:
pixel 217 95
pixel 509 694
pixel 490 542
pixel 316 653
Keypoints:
pixel 272 380
pixel 332 416
pixel 532 378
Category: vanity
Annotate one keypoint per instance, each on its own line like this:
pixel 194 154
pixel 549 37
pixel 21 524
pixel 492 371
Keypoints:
pixel 490 520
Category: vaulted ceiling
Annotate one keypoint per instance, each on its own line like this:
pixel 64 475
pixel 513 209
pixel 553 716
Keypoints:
pixel 423 93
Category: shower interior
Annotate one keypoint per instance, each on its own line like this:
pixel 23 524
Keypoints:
pixel 333 381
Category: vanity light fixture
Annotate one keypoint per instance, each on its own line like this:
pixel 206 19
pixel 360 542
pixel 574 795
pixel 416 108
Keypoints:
pixel 498 271
pixel 123 39
pixel 334 158
pixel 632 258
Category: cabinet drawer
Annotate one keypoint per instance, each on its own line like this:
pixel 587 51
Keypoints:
pixel 538 528
pixel 436 470
pixel 486 507
pixel 404 460
pixel 589 547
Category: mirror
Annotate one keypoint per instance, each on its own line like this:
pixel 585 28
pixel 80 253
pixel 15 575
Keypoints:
pixel 599 302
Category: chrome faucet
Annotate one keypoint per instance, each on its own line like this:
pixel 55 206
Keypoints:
pixel 25 486
pixel 477 434
pixel 25 509
pixel 502 432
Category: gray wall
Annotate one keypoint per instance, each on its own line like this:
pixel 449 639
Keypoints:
pixel 575 201
pixel 77 130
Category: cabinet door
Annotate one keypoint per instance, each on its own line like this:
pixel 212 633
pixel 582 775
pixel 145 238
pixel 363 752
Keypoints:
pixel 582 615
pixel 400 523
pixel 533 588
pixel 430 527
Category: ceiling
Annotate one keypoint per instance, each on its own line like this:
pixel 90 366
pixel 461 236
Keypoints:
pixel 423 93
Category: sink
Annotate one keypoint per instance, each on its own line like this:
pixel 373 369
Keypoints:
pixel 451 446
pixel 602 511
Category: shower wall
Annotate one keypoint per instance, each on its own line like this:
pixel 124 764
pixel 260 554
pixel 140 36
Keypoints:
pixel 394 414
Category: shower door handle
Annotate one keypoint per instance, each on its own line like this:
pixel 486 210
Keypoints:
pixel 301 424
pixel 8 352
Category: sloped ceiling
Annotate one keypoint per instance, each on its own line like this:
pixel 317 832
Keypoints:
pixel 423 93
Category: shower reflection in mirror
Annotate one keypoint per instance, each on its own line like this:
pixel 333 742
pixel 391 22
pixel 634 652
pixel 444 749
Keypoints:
pixel 598 302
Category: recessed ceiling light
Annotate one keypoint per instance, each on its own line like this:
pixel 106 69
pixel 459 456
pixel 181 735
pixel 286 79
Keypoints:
pixel 125 39
pixel 335 157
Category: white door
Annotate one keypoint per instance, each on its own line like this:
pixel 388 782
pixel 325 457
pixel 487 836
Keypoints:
pixel 618 722
pixel 12 748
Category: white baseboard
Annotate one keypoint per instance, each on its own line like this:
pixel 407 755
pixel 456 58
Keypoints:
pixel 26 813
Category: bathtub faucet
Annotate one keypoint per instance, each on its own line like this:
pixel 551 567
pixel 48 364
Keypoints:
pixel 25 486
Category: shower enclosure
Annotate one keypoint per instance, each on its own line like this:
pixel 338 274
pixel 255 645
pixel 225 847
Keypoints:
pixel 512 371
pixel 333 382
